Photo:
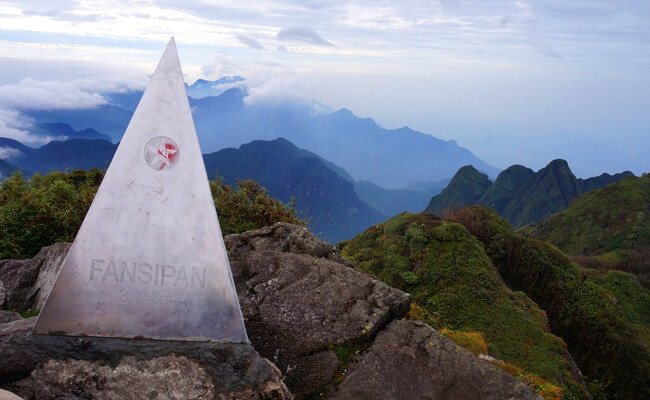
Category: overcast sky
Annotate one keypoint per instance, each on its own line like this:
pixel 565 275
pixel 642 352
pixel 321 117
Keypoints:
pixel 513 81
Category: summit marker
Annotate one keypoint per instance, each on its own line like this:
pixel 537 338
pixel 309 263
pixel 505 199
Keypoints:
pixel 149 260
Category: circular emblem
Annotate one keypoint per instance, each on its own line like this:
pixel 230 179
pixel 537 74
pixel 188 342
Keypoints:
pixel 161 153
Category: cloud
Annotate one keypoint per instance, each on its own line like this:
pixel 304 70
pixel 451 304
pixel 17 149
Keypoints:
pixel 505 20
pixel 67 16
pixel 302 34
pixel 14 125
pixel 543 48
pixel 31 94
pixel 278 90
pixel 250 42
pixel 7 153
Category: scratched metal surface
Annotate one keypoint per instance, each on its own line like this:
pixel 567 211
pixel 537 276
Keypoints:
pixel 149 260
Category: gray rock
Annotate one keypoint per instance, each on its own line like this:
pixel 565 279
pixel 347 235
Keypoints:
pixel 3 293
pixel 410 360
pixel 53 257
pixel 8 316
pixel 282 237
pixel 62 367
pixel 298 301
pixel 28 282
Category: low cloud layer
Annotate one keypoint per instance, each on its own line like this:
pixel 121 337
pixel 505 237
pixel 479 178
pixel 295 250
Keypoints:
pixel 302 34
pixel 31 94
pixel 14 125
pixel 8 153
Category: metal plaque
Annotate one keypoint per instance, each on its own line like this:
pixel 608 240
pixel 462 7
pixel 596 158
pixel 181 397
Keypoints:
pixel 149 260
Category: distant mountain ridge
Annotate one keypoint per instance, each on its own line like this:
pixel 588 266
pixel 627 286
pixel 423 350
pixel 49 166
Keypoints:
pixel 60 130
pixel 521 196
pixel 330 201
pixel 62 155
pixel 204 88
pixel 326 193
pixel 390 158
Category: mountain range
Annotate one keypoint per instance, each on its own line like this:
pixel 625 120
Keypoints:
pixel 390 158
pixel 519 194
pixel 336 205
pixel 322 195
pixel 60 155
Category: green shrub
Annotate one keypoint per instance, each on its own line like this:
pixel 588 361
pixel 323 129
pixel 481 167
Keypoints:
pixel 455 287
pixel 46 209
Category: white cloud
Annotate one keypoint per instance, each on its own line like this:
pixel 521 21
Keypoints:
pixel 302 34
pixel 30 94
pixel 283 89
pixel 7 153
pixel 250 42
pixel 14 125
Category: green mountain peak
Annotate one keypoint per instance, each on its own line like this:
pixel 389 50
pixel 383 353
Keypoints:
pixel 465 188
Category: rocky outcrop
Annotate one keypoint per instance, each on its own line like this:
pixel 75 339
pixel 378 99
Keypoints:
pixel 298 301
pixel 285 238
pixel 302 304
pixel 8 316
pixel 111 368
pixel 410 360
pixel 27 282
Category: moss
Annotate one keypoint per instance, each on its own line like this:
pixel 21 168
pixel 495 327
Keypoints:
pixel 603 316
pixel 606 228
pixel 29 313
pixel 472 341
pixel 541 386
pixel 345 354
pixel 455 287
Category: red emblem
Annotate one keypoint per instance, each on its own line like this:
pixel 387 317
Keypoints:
pixel 161 153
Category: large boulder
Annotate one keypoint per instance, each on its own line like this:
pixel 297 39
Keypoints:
pixel 25 284
pixel 282 237
pixel 299 301
pixel 8 316
pixel 48 367
pixel 302 304
pixel 410 360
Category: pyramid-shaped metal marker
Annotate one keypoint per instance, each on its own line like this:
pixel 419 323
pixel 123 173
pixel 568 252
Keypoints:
pixel 149 260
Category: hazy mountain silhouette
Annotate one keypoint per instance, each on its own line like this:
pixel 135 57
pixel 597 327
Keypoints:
pixel 391 158
pixel 329 200
pixel 521 196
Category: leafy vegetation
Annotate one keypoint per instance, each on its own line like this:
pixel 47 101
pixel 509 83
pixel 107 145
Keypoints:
pixel 455 287
pixel 472 341
pixel 602 315
pixel 608 228
pixel 46 209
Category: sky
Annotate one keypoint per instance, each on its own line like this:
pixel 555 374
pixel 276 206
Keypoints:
pixel 515 82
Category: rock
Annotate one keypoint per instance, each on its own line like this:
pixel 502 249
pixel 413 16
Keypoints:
pixel 282 237
pixel 53 258
pixel 298 301
pixel 410 360
pixel 48 367
pixel 28 282
pixel 3 293
pixel 8 316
